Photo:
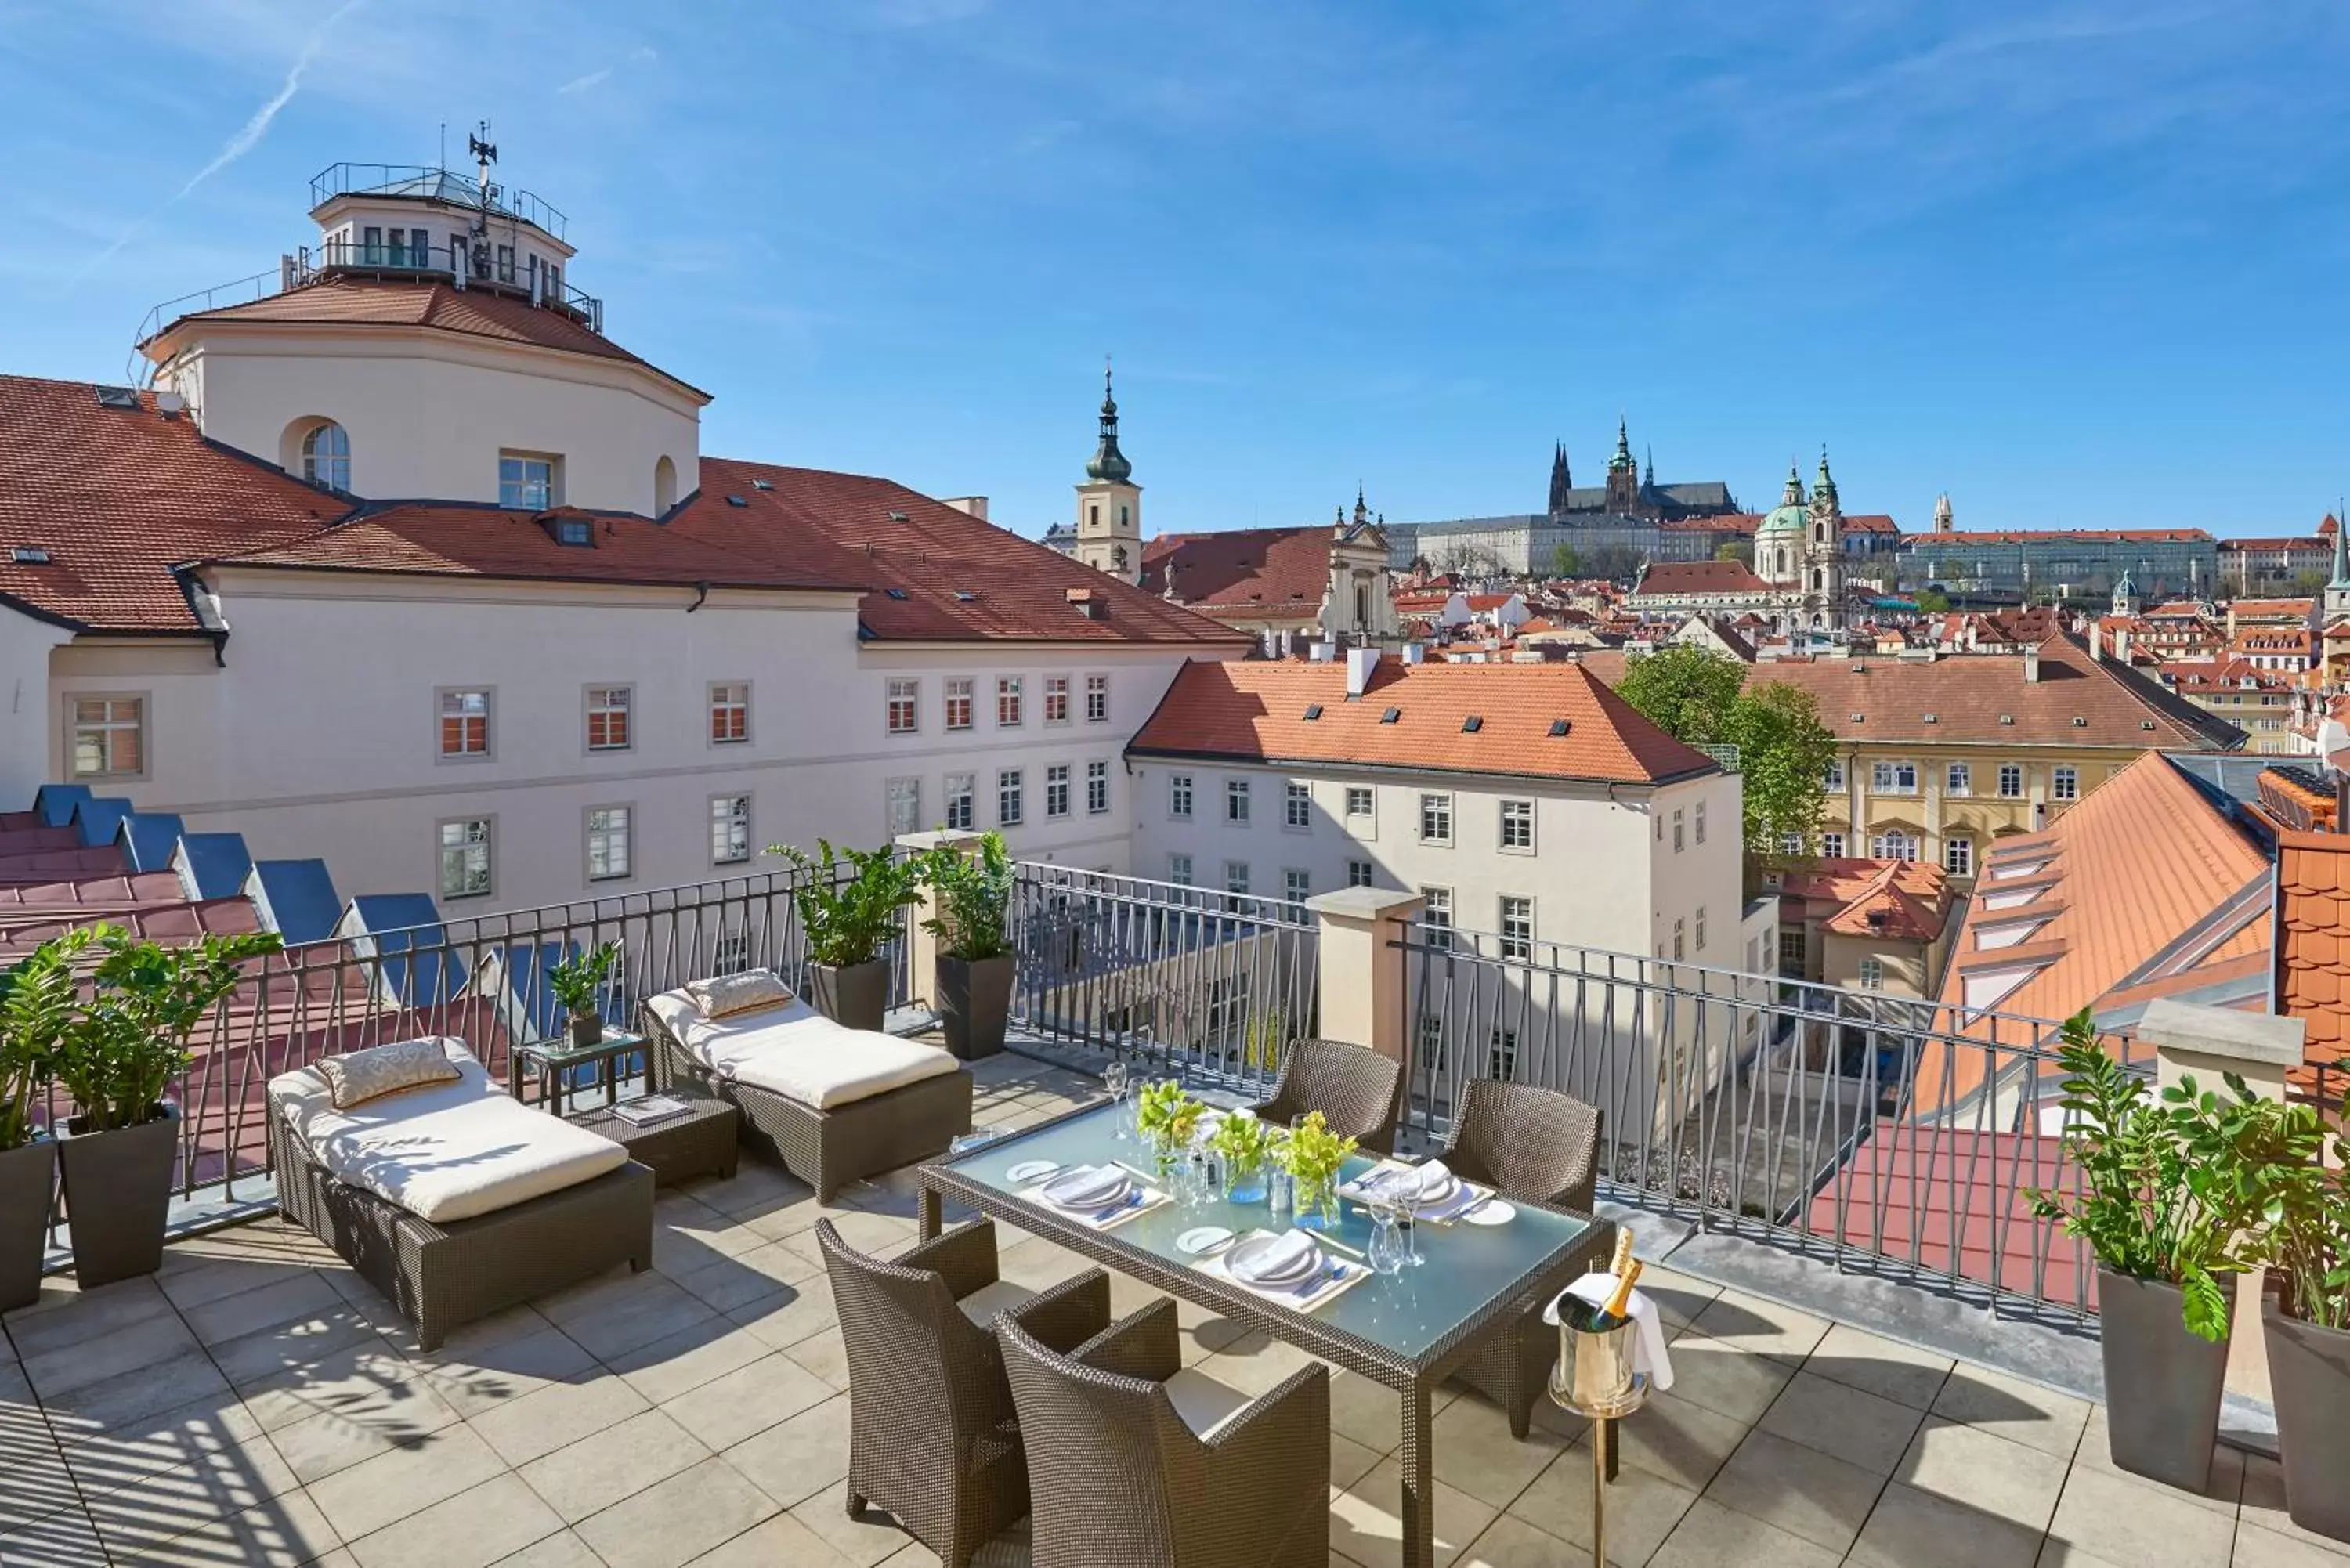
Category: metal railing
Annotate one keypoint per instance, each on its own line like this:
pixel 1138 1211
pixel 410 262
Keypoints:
pixel 1889 1134
pixel 432 184
pixel 1167 977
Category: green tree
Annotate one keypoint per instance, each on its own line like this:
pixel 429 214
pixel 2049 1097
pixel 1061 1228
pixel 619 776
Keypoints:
pixel 1737 550
pixel 2309 583
pixel 1564 562
pixel 1685 690
pixel 1933 601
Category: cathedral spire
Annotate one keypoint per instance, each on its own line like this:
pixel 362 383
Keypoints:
pixel 1108 463
pixel 1561 482
pixel 1622 461
pixel 2341 560
pixel 1824 487
pixel 1362 512
pixel 1652 468
pixel 1943 519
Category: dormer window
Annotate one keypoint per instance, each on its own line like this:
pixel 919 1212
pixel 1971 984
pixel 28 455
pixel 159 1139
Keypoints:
pixel 573 533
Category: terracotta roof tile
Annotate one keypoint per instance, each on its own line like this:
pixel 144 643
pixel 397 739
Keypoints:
pixel 2314 962
pixel 1285 570
pixel 1677 577
pixel 1255 710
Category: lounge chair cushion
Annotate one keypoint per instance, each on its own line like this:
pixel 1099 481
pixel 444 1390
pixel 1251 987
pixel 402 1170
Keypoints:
pixel 446 1151
pixel 359 1076
pixel 753 991
pixel 1204 1404
pixel 798 1053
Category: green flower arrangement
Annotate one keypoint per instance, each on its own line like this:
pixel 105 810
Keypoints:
pixel 1167 1117
pixel 1244 1144
pixel 1314 1155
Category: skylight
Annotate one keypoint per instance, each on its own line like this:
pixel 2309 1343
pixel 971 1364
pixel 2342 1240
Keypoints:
pixel 736 501
pixel 762 484
pixel 1559 727
pixel 1390 716
pixel 1473 723
pixel 966 596
pixel 28 555
pixel 894 593
pixel 1313 712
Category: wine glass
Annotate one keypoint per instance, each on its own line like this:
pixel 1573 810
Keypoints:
pixel 1114 1080
pixel 1387 1240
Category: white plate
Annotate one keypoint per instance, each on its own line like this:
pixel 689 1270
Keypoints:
pixel 1201 1239
pixel 1494 1211
pixel 1030 1170
pixel 1116 1187
pixel 1438 1196
pixel 1236 1263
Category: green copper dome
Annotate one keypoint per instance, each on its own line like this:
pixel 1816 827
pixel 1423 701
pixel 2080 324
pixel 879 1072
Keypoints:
pixel 1788 516
pixel 1108 461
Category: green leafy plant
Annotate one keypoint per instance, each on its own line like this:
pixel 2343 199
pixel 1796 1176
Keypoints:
pixel 970 897
pixel 118 1055
pixel 575 980
pixel 40 999
pixel 848 917
pixel 1243 1143
pixel 1164 1113
pixel 1313 1154
pixel 2179 1187
pixel 2308 1240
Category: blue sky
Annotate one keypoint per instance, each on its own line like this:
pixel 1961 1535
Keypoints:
pixel 2076 264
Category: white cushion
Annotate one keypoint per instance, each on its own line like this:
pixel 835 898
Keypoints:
pixel 798 1053
pixel 445 1151
pixel 1205 1405
pixel 981 1305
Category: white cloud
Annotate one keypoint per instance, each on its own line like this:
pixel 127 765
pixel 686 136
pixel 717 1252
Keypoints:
pixel 581 84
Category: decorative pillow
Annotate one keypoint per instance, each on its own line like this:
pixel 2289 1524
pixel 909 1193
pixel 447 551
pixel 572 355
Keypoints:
pixel 753 991
pixel 363 1076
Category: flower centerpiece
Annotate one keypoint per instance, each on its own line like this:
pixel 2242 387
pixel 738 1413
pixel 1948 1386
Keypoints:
pixel 1244 1144
pixel 1166 1117
pixel 1314 1155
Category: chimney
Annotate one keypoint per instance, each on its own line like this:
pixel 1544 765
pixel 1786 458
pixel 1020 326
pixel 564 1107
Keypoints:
pixel 2031 665
pixel 2121 645
pixel 2097 639
pixel 1360 662
pixel 976 505
pixel 1086 603
pixel 1321 652
pixel 1413 653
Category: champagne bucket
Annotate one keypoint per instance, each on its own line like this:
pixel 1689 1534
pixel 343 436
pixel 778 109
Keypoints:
pixel 1595 1370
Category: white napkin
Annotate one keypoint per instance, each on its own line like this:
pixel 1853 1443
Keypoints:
pixel 1648 1352
pixel 1088 1187
pixel 1285 1257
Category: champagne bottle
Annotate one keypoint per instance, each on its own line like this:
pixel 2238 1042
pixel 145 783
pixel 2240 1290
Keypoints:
pixel 1593 1319
pixel 1620 1305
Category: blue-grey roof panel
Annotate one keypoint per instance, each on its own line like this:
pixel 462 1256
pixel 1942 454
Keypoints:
pixel 55 802
pixel 410 923
pixel 296 898
pixel 212 864
pixel 150 837
pixel 100 818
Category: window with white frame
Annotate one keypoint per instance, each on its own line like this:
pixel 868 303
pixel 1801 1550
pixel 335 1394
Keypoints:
pixel 1096 787
pixel 527 482
pixel 1832 845
pixel 961 789
pixel 1097 699
pixel 2010 780
pixel 1236 877
pixel 905 704
pixel 607 717
pixel 1236 801
pixel 1297 887
pixel 1894 845
pixel 2065 784
pixel 1700 931
pixel 1361 802
pixel 1009 806
pixel 1178 870
pixel 1358 873
pixel 1791 844
pixel 1179 795
pixel 465 857
pixel 1056 790
pixel 729 712
pixel 1835 778
pixel 1959 778
pixel 1698 824
pixel 1057 699
pixel 905 798
pixel 1959 856
pixel 1872 974
pixel 608 843
pixel 1436 819
pixel 958 701
pixel 1517 927
pixel 327 455
pixel 1296 806
pixel 729 829
pixel 1007 702
pixel 1517 825
pixel 1436 915
pixel 1790 950
pixel 1894 778
pixel 1502 1056
pixel 464 723
pixel 109 737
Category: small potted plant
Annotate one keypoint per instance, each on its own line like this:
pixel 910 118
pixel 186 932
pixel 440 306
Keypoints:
pixel 575 983
pixel 2306 1325
pixel 849 905
pixel 2169 1195
pixel 970 903
pixel 1165 1117
pixel 117 1059
pixel 1246 1145
pixel 38 1000
pixel 1314 1155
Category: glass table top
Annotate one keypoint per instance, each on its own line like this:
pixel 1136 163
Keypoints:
pixel 558 1049
pixel 1467 1266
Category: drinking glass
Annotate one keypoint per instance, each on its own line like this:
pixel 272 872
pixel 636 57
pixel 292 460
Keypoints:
pixel 1404 1217
pixel 1114 1080
pixel 1387 1240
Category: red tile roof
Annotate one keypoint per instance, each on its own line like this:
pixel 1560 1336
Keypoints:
pixel 1869 523
pixel 1684 578
pixel 2312 961
pixel 1255 711
pixel 1895 904
pixel 1719 522
pixel 437 306
pixel 1284 570
pixel 120 496
pixel 2084 535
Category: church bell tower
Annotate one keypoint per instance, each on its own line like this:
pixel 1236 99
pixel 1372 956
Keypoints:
pixel 1110 504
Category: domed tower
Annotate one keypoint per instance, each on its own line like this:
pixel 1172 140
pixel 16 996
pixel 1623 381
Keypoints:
pixel 1822 584
pixel 1623 476
pixel 1110 504
pixel 1779 537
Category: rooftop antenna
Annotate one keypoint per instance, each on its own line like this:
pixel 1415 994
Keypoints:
pixel 484 153
pixel 444 147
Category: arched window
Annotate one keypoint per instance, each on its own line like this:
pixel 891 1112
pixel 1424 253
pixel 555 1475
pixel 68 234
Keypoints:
pixel 325 455
pixel 664 487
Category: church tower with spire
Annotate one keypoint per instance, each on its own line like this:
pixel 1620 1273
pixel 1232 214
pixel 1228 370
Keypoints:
pixel 1110 504
pixel 1823 580
pixel 2337 587
pixel 1623 477
pixel 1562 484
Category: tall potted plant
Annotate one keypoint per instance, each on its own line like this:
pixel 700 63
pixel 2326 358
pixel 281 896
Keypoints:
pixel 971 908
pixel 848 903
pixel 117 1059
pixel 38 999
pixel 2172 1191
pixel 2307 1327
pixel 575 983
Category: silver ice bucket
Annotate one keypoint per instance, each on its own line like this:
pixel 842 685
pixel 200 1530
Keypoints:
pixel 1593 1375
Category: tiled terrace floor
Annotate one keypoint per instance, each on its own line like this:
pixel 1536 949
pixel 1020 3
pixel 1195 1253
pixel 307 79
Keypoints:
pixel 256 1403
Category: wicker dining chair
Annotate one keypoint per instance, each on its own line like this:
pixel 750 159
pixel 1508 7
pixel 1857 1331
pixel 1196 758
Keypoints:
pixel 1541 1146
pixel 1358 1091
pixel 1137 1463
pixel 933 1435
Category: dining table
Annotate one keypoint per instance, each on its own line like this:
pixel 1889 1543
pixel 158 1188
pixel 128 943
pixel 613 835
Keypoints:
pixel 1408 1330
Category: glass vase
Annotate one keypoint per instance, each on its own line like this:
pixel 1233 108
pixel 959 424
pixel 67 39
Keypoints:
pixel 1317 1202
pixel 1246 1183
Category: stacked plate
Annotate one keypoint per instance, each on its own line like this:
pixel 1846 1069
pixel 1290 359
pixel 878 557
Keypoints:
pixel 1090 1190
pixel 1272 1262
pixel 1423 1187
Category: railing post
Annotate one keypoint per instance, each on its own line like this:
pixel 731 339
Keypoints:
pixel 921 947
pixel 2259 1048
pixel 1363 977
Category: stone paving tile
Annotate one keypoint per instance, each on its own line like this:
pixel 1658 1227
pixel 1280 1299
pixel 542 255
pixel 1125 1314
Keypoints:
pixel 862 1542
pixel 2137 1524
pixel 1884 1367
pixel 293 1298
pixel 1674 1439
pixel 1642 1509
pixel 1475 1452
pixel 590 1475
pixel 2221 1493
pixel 1799 1490
pixel 1720 1378
pixel 1913 1529
pixel 2013 1408
pixel 687 1359
pixel 281 1534
pixel 2264 1507
pixel 1512 1543
pixel 782 1541
pixel 826 1356
pixel 1835 1419
pixel 130 1396
pixel 1983 1471
pixel 559 1415
pixel 391 1486
pixel 477 1527
pixel 562 1550
pixel 336 1439
pixel 795 1459
pixel 678 1519
pixel 748 1400
pixel 1710 1536
pixel 1766 1327
pixel 1366 1527
pixel 2260 1548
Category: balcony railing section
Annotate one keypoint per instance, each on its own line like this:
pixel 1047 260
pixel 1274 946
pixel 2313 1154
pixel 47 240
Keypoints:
pixel 435 184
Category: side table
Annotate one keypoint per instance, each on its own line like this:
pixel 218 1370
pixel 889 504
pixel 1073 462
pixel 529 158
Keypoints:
pixel 551 1061
pixel 698 1142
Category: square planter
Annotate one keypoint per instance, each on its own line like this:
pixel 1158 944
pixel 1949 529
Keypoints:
pixel 2309 1371
pixel 117 1189
pixel 28 1188
pixel 2163 1383
pixel 974 997
pixel 855 996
